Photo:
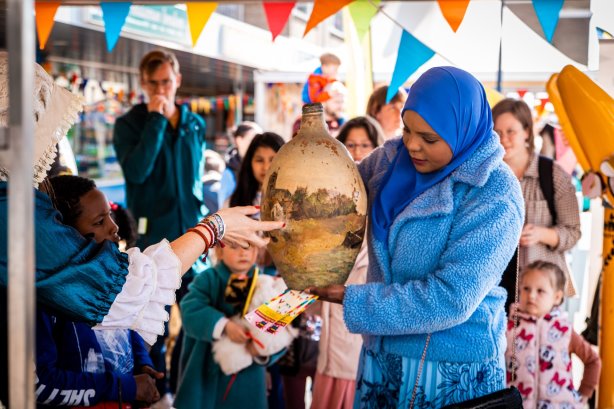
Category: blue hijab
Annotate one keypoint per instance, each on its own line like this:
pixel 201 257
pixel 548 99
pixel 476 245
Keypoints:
pixel 454 104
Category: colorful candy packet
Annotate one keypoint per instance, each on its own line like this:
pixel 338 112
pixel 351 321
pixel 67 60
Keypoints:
pixel 280 310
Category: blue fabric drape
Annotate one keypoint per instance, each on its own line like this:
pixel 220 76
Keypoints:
pixel 74 276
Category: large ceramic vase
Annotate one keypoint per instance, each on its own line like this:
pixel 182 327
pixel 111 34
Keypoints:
pixel 314 186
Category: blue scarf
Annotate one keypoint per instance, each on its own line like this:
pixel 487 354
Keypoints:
pixel 454 104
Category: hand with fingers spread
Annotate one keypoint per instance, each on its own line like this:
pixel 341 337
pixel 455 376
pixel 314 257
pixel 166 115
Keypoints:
pixel 242 229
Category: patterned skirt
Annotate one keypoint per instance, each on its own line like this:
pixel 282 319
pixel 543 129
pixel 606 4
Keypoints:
pixel 388 380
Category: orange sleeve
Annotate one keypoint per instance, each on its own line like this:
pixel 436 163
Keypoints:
pixel 592 363
pixel 317 83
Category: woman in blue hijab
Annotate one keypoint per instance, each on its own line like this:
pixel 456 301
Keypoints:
pixel 445 219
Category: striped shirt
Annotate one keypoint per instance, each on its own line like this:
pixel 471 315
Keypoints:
pixel 537 213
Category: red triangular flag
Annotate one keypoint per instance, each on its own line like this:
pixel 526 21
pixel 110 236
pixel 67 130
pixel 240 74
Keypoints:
pixel 453 11
pixel 323 9
pixel 277 15
pixel 45 13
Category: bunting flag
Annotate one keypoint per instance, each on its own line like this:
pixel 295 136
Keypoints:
pixel 453 11
pixel 362 11
pixel 198 16
pixel 323 9
pixel 114 16
pixel 45 14
pixel 493 96
pixel 548 15
pixel 277 15
pixel 411 56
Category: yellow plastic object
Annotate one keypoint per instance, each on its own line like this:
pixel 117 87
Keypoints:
pixel 591 113
pixel 559 109
pixel 493 96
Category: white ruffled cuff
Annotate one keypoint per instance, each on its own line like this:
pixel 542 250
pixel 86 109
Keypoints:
pixel 153 277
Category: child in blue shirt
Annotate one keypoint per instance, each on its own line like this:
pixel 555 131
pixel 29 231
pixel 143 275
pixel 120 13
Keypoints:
pixel 76 365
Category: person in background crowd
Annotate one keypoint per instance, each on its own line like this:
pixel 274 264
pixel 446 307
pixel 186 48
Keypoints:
pixel 94 365
pixel 334 110
pixel 334 385
pixel 445 218
pixel 316 87
pixel 242 138
pixel 212 180
pixel 547 233
pixel 93 282
pixel 160 146
pixel 544 339
pixel 360 136
pixel 387 115
pixel 255 165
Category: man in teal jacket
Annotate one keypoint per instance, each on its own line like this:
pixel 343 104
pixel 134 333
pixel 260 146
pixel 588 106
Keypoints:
pixel 160 147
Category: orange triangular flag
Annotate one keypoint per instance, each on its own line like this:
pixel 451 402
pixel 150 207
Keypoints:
pixel 453 11
pixel 323 9
pixel 198 16
pixel 45 13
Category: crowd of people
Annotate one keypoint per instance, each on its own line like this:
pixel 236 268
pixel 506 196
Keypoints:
pixel 456 293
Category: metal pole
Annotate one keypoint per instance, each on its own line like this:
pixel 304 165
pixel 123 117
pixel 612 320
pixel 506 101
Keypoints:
pixel 260 100
pixel 21 292
pixel 500 70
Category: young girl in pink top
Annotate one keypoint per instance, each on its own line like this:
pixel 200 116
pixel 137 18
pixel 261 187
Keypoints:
pixel 544 340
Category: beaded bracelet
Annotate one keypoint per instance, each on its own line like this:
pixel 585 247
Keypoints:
pixel 221 225
pixel 218 225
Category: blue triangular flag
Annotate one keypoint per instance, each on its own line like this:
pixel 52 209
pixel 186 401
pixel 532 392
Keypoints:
pixel 114 16
pixel 412 54
pixel 548 15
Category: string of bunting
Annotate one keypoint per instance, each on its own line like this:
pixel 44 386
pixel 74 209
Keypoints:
pixel 412 53
pixel 278 13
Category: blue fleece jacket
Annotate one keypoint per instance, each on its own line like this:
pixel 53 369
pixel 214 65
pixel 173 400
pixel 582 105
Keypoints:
pixel 445 256
pixel 74 368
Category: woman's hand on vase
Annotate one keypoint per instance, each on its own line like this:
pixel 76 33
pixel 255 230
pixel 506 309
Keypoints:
pixel 333 293
pixel 242 230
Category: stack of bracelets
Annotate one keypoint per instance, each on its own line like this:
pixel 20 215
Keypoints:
pixel 215 228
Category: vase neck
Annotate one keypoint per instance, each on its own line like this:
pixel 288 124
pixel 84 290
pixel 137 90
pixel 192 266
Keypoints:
pixel 314 122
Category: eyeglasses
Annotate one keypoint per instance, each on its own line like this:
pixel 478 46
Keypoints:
pixel 351 145
pixel 165 83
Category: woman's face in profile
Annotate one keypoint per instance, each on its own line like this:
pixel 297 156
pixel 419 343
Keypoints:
pixel 427 150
